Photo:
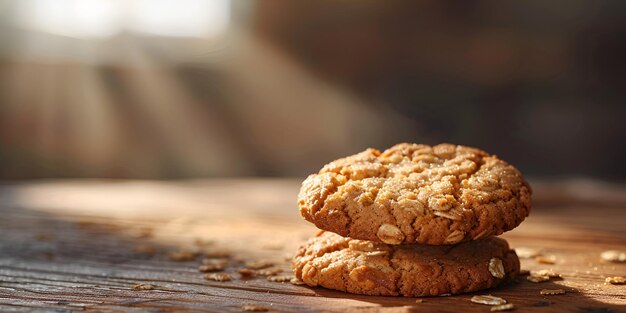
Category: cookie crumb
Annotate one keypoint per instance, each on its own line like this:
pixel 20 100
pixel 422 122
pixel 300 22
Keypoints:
pixel 212 265
pixel 419 300
pixel 549 273
pixel 211 261
pixel 246 273
pixel 268 271
pixel 526 253
pixel 218 253
pixel 259 264
pixel 503 307
pixel 143 287
pixel 279 278
pixel 613 256
pixel 537 278
pixel 210 268
pixel 488 299
pixel 496 268
pixel 615 280
pixel 182 255
pixel 545 259
pixel 552 292
pixel 221 277
pixel 296 281
pixel 254 308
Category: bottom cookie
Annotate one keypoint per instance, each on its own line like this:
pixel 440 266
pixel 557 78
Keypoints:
pixel 369 268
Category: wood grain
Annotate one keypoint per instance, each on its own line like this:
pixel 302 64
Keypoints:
pixel 69 246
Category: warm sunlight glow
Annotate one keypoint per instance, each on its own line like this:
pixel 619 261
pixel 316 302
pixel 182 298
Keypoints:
pixel 72 18
pixel 192 18
pixel 104 18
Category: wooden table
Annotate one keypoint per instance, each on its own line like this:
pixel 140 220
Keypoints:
pixel 70 246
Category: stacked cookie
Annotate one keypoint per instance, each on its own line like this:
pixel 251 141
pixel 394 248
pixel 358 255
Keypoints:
pixel 414 220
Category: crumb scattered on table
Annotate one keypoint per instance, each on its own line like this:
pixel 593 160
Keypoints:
pixel 503 307
pixel 280 278
pixel 254 308
pixel 268 271
pixel 299 282
pixel 246 273
pixel 142 286
pixel 537 278
pixel 549 273
pixel 615 280
pixel 526 253
pixel 552 292
pixel 613 256
pixel 488 300
pixel 221 277
pixel 259 264
pixel 545 259
pixel 212 265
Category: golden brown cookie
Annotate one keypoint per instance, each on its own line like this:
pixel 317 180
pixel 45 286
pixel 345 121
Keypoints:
pixel 371 268
pixel 412 193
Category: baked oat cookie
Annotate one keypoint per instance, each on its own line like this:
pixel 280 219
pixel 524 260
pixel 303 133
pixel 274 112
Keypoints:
pixel 411 193
pixel 371 268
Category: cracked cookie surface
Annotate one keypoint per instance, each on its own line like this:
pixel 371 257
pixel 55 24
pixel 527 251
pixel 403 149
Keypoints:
pixel 371 268
pixel 439 195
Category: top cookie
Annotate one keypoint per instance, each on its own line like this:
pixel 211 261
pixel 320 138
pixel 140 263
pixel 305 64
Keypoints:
pixel 411 193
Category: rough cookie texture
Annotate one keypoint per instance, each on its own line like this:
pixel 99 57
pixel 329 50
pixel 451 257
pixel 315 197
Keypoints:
pixel 410 193
pixel 371 268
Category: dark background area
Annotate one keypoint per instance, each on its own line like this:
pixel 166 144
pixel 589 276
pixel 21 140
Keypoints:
pixel 291 85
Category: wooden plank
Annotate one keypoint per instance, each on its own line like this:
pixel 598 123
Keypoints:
pixel 69 246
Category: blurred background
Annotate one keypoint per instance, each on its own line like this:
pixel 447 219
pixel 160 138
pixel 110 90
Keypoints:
pixel 166 89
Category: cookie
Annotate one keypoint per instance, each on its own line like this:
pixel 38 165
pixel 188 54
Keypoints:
pixel 371 268
pixel 410 193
